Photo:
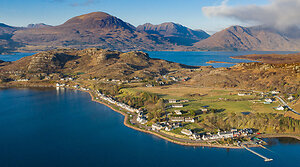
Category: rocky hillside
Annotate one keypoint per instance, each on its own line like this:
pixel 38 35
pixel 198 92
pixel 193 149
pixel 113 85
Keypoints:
pixel 256 76
pixel 253 38
pixel 88 63
pixel 96 29
pixel 6 33
pixel 175 33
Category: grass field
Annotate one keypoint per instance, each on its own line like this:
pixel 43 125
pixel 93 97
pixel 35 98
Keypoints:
pixel 226 99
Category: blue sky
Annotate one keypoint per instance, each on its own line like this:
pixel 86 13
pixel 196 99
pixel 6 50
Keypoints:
pixel 136 12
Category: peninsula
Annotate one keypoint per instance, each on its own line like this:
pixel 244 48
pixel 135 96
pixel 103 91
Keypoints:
pixel 188 105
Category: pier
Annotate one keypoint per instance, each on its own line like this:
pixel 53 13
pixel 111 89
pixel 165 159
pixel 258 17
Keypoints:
pixel 265 158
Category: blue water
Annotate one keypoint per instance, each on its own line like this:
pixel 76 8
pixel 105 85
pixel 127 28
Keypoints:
pixel 62 128
pixel 200 58
pixel 188 58
pixel 14 57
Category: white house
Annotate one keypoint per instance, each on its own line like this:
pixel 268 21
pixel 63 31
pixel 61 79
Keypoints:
pixel 192 120
pixel 178 112
pixel 269 100
pixel 186 132
pixel 177 105
pixel 279 108
pixel 156 126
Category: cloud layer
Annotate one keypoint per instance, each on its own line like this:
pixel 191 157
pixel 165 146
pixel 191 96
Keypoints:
pixel 279 13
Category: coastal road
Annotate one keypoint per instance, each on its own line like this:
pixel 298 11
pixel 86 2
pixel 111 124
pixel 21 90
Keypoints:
pixel 285 104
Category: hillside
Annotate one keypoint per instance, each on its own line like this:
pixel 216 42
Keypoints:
pixel 272 58
pixel 253 38
pixel 88 63
pixel 96 29
pixel 6 33
pixel 252 76
pixel 175 33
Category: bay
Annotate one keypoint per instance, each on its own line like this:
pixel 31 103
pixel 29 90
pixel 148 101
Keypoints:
pixel 200 58
pixel 49 127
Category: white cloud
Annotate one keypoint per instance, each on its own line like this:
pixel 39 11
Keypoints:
pixel 279 13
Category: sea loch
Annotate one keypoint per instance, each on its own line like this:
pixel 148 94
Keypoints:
pixel 49 127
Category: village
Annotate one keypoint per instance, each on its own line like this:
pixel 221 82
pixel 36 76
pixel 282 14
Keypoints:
pixel 177 119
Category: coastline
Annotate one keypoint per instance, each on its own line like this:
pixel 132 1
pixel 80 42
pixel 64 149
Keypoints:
pixel 193 144
pixel 156 134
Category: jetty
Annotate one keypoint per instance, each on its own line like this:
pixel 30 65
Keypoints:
pixel 265 158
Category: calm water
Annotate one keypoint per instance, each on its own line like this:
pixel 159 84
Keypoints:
pixel 189 58
pixel 200 58
pixel 49 127
pixel 14 57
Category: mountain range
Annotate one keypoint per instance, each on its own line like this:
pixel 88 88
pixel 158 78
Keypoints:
pixel 102 30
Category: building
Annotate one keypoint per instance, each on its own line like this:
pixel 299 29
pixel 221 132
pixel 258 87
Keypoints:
pixel 177 119
pixel 275 92
pixel 281 108
pixel 241 94
pixel 186 132
pixel 192 120
pixel 204 109
pixel 196 136
pixel 178 112
pixel 225 134
pixel 291 97
pixel 184 101
pixel 156 126
pixel 269 100
pixel 177 105
pixel 172 101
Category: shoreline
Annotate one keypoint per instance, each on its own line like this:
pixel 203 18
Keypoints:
pixel 156 134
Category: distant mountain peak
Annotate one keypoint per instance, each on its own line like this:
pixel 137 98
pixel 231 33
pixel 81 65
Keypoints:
pixel 176 33
pixel 38 25
pixel 98 20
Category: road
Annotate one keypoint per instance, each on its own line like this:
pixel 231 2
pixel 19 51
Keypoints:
pixel 285 104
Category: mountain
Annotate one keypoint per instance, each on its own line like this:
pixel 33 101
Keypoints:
pixel 95 29
pixel 6 33
pixel 174 33
pixel 38 25
pixel 252 38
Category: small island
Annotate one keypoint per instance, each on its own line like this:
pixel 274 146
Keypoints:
pixel 188 105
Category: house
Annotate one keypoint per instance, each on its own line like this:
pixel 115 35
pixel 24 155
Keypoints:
pixel 291 97
pixel 177 105
pixel 281 108
pixel 196 136
pixel 225 134
pixel 184 101
pixel 178 112
pixel 192 120
pixel 186 132
pixel 141 119
pixel 172 101
pixel 204 109
pixel 168 128
pixel 269 100
pixel 275 92
pixel 149 85
pixel 156 126
pixel 241 94
pixel 177 119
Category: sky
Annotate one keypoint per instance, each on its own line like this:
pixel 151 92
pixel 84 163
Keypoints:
pixel 195 14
